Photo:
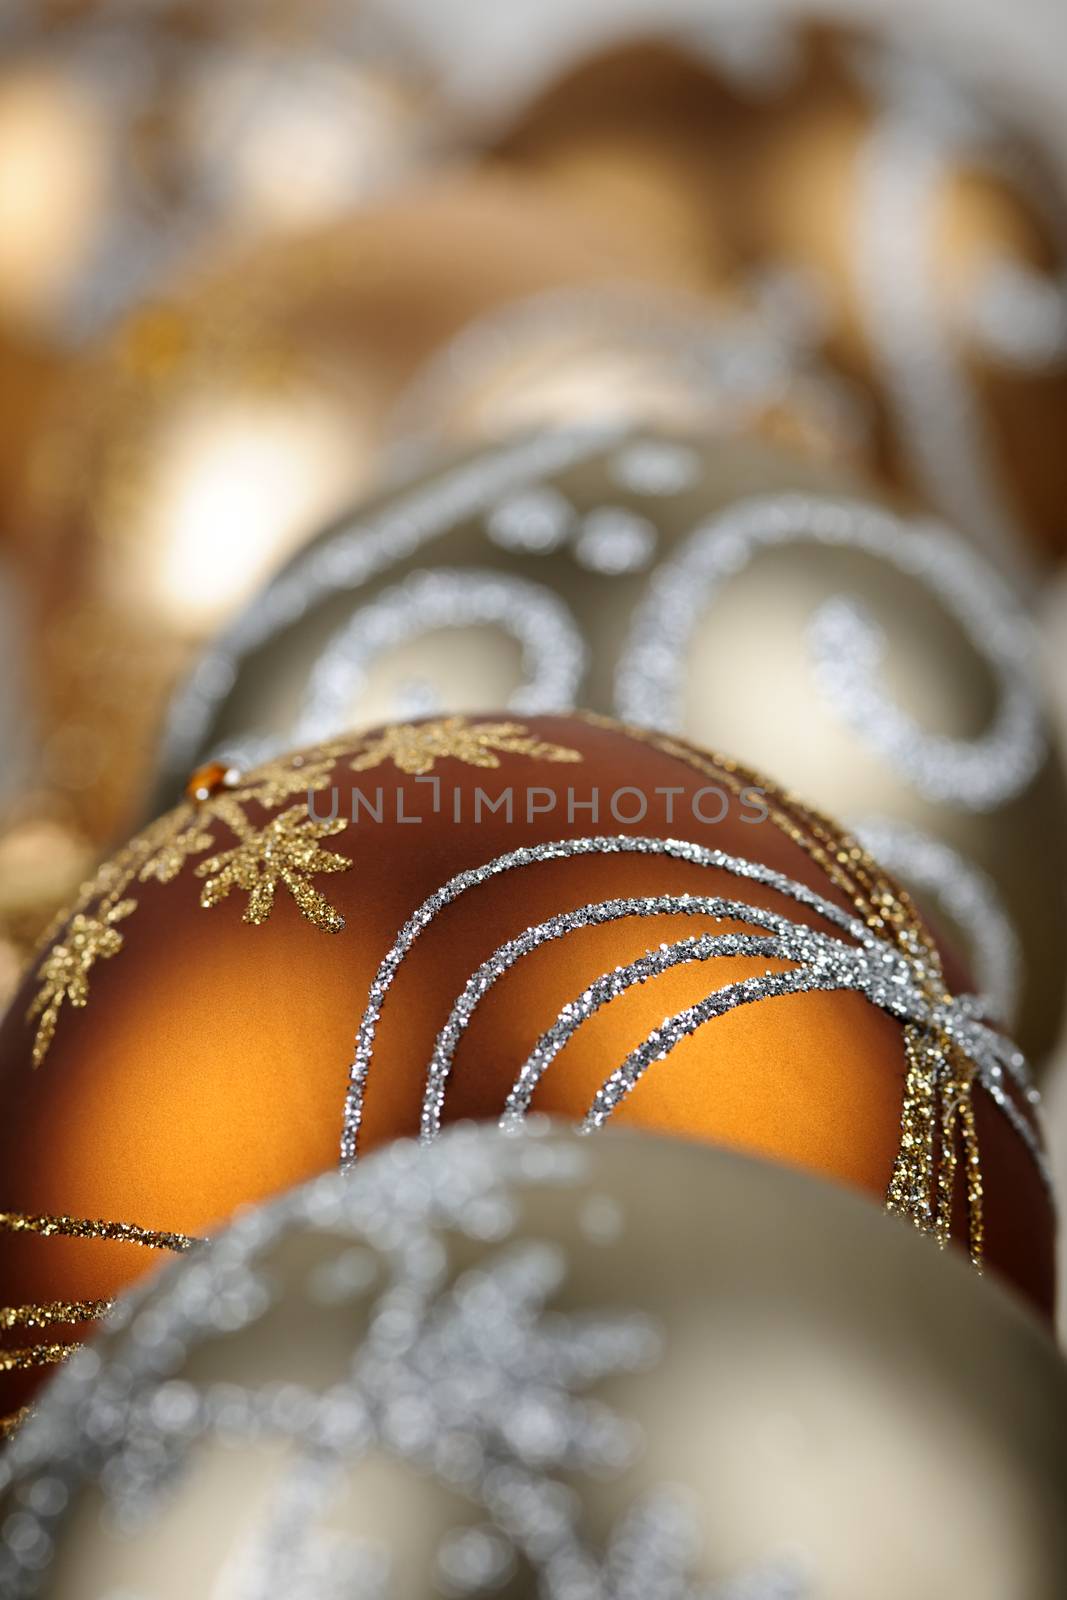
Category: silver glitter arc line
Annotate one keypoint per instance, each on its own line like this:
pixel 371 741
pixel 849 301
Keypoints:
pixel 595 915
pixel 978 773
pixel 529 855
pixel 872 966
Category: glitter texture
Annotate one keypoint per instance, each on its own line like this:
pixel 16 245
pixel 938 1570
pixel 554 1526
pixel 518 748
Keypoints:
pixel 554 654
pixel 416 747
pixel 966 894
pixel 949 1045
pixel 360 551
pixel 283 851
pixel 477 1383
pixel 846 648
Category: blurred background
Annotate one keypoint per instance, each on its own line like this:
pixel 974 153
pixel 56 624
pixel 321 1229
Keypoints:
pixel 261 260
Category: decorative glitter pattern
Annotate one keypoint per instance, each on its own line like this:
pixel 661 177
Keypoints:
pixel 532 522
pixel 37 1355
pixel 53 1313
pixel 86 1228
pixel 477 1383
pixel 957 1046
pixel 554 654
pixel 64 972
pixel 284 851
pixel 965 894
pixel 416 747
pixel 655 467
pixel 358 552
pixel 502 960
pixel 981 773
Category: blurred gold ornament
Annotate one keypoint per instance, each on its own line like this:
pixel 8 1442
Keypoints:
pixel 133 136
pixel 749 598
pixel 873 206
pixel 535 1366
pixel 42 862
pixel 212 434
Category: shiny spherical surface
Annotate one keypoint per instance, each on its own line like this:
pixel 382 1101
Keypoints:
pixel 536 1366
pixel 753 598
pixel 469 918
pixel 213 432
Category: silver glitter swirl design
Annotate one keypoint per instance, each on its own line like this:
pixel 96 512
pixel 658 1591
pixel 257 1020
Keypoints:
pixel 965 893
pixel 898 984
pixel 554 654
pixel 477 1383
pixel 351 556
pixel 977 773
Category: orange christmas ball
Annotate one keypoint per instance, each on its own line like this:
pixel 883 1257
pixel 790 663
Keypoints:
pixel 469 918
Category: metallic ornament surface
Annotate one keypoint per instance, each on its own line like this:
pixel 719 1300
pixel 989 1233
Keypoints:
pixel 749 597
pixel 532 1365
pixel 481 916
pixel 868 196
pixel 207 438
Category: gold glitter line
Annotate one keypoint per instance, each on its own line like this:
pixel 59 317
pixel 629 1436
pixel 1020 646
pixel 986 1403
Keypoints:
pixel 87 1228
pixel 930 1094
pixel 53 1311
pixel 9 1425
pixel 35 1355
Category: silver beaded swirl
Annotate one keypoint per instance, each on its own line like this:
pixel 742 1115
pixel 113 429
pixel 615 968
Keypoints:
pixel 554 654
pixel 351 556
pixel 980 773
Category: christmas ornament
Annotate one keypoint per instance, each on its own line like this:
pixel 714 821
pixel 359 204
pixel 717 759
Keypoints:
pixel 534 1365
pixel 612 352
pixel 754 600
pixel 475 917
pixel 871 202
pixel 212 434
pixel 134 136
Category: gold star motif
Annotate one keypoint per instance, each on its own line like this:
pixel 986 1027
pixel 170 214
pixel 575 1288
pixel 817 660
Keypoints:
pixel 65 970
pixel 414 747
pixel 285 852
pixel 168 860
pixel 277 781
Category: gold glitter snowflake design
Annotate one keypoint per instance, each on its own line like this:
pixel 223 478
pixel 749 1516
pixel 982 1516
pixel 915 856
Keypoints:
pixel 414 747
pixel 65 971
pixel 284 851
